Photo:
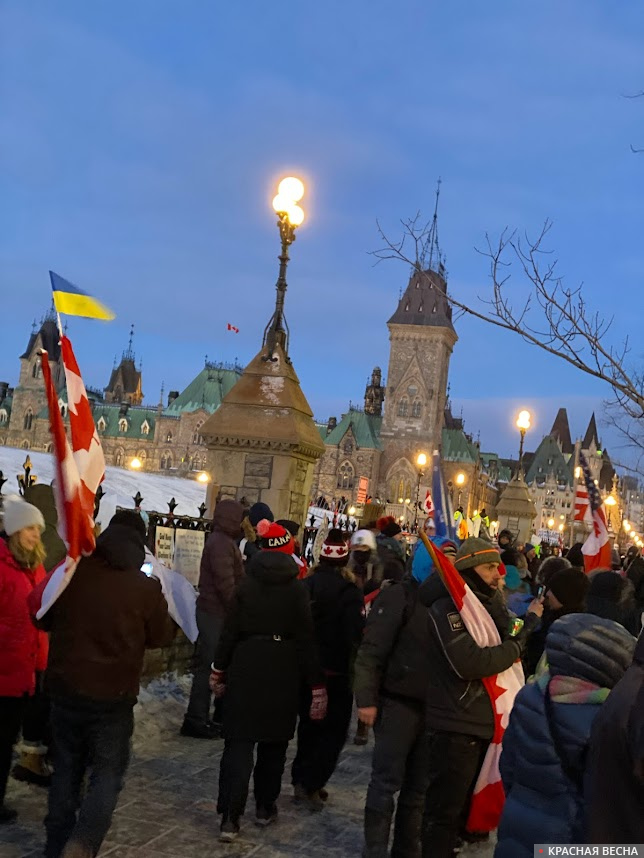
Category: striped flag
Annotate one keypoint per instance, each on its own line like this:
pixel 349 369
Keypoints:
pixel 80 468
pixel 443 515
pixel 72 301
pixel 582 510
pixel 502 688
pixel 596 549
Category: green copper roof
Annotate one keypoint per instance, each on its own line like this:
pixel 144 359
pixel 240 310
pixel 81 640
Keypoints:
pixel 457 447
pixel 321 427
pixel 206 391
pixel 365 429
pixel 136 416
pixel 548 459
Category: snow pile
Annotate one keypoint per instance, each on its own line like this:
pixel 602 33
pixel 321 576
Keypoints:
pixel 160 710
pixel 119 485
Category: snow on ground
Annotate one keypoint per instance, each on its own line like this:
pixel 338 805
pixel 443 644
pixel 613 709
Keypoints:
pixel 120 485
pixel 160 710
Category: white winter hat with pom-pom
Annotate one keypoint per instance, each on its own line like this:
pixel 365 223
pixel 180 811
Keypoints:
pixel 18 514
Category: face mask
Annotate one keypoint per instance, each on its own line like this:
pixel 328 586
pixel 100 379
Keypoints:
pixel 361 557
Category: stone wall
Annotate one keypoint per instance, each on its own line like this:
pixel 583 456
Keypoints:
pixel 177 657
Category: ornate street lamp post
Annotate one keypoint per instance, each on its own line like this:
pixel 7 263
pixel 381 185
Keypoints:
pixel 421 462
pixel 523 424
pixel 289 216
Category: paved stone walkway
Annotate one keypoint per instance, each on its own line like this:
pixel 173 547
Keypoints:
pixel 168 810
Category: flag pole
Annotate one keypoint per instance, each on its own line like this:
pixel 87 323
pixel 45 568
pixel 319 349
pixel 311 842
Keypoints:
pixel 60 325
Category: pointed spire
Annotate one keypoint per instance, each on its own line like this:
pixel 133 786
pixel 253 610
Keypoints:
pixel 591 434
pixel 34 327
pixel 561 432
pixel 162 394
pixel 128 354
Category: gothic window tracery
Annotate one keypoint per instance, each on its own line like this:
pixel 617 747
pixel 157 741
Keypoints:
pixel 346 476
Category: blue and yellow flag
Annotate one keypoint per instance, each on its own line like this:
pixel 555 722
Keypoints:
pixel 72 301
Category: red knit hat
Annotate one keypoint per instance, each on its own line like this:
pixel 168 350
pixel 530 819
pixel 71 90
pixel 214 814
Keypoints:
pixel 275 537
pixel 334 547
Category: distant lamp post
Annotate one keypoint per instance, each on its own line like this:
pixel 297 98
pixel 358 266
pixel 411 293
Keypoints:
pixel 289 216
pixel 460 482
pixel 352 510
pixel 203 477
pixel 523 424
pixel 421 463
pixel 577 472
pixel 27 479
pixel 610 503
pixel 551 523
pixel 626 525
pixel 136 464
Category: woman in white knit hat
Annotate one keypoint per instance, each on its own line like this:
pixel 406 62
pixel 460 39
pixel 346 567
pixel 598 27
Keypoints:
pixel 23 649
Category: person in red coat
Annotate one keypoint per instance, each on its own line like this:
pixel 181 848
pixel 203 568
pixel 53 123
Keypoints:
pixel 23 649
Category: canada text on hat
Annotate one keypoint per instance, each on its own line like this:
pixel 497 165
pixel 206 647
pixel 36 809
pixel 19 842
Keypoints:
pixel 275 537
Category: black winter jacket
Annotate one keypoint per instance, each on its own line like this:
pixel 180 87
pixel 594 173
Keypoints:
pixel 393 658
pixel 221 567
pixel 338 616
pixel 616 762
pixel 267 650
pixel 457 701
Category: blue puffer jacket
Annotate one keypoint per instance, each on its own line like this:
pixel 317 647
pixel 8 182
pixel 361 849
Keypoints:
pixel 543 798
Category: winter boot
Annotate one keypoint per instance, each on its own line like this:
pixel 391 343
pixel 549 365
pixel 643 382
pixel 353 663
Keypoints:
pixel 229 831
pixel 33 766
pixel 407 831
pixel 76 849
pixel 376 833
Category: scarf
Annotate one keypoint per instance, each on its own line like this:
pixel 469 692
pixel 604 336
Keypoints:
pixel 568 689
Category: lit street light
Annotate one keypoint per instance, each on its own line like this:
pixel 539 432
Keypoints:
pixel 136 464
pixel 203 477
pixel 460 482
pixel 523 424
pixel 551 523
pixel 610 503
pixel 289 216
pixel 421 462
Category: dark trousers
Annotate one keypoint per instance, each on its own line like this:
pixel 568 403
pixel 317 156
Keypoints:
pixel 200 695
pixel 35 721
pixel 86 735
pixel 11 711
pixel 319 743
pixel 235 770
pixel 454 761
pixel 400 765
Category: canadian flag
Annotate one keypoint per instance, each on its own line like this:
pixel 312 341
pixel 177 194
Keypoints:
pixel 428 504
pixel 502 688
pixel 80 468
pixel 232 328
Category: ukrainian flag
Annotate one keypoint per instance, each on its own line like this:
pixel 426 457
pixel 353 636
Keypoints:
pixel 72 301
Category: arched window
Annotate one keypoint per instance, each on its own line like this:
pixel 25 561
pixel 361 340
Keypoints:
pixel 346 476
pixel 101 424
pixel 403 407
pixel 48 447
pixel 166 461
pixel 348 447
pixel 122 425
pixel 416 408
pixel 196 437
pixel 118 457
pixel 142 456
pixel 25 445
pixel 63 410
pixel 168 438
pixel 145 428
pixel 36 370
pixel 28 420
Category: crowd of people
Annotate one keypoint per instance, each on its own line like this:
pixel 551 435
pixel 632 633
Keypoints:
pixel 287 651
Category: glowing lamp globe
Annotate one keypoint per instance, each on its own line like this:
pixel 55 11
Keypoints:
pixel 282 204
pixel 460 479
pixel 295 215
pixel 523 420
pixel 421 460
pixel 203 477
pixel 291 188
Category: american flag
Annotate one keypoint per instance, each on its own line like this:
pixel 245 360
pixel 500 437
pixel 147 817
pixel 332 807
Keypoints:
pixel 582 508
pixel 596 549
pixel 80 468
pixel 502 688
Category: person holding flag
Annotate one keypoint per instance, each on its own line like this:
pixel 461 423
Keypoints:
pixel 474 652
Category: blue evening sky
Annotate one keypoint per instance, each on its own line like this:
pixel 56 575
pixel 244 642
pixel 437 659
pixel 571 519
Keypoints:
pixel 141 141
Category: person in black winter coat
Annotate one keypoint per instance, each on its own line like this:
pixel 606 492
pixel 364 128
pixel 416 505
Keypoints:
pixel 565 594
pixel 391 677
pixel 458 712
pixel 612 597
pixel 616 762
pixel 338 617
pixel 266 651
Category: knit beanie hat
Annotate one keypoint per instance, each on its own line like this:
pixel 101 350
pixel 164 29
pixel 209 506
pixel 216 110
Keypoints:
pixel 476 552
pixel 549 568
pixel 448 547
pixel 569 586
pixel 388 526
pixel 258 512
pixel 364 539
pixel 18 514
pixel 130 518
pixel 292 526
pixel 334 548
pixel 275 537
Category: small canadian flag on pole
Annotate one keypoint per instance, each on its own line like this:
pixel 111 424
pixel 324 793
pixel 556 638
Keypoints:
pixel 232 328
